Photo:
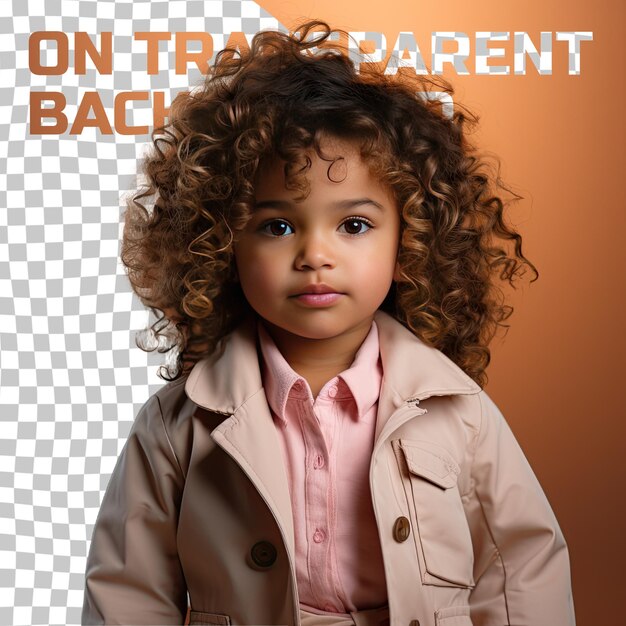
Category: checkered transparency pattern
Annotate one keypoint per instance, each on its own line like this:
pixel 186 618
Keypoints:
pixel 71 377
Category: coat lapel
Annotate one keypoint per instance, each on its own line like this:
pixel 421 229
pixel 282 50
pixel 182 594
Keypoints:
pixel 230 383
pixel 250 437
pixel 224 380
pixel 412 370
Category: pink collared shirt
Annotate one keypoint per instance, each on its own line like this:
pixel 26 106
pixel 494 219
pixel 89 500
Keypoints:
pixel 327 444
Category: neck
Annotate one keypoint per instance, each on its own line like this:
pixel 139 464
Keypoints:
pixel 319 360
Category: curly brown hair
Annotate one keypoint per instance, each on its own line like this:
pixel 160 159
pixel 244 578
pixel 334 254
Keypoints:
pixel 281 97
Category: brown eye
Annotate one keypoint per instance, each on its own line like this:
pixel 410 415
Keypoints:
pixel 277 228
pixel 355 226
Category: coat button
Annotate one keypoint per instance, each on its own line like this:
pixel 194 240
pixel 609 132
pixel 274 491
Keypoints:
pixel 263 554
pixel 401 529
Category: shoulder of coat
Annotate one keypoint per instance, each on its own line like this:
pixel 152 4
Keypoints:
pixel 176 411
pixel 177 407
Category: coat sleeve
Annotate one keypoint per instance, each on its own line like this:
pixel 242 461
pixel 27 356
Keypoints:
pixel 133 573
pixel 521 561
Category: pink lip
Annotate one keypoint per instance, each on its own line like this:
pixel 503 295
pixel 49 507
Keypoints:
pixel 316 288
pixel 317 295
pixel 318 299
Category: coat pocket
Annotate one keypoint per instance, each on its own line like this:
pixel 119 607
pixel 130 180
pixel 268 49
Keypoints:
pixel 453 616
pixel 201 618
pixel 442 537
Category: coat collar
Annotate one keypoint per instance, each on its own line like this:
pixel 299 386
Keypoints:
pixel 412 370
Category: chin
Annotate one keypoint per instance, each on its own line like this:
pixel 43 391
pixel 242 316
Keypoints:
pixel 318 333
pixel 319 330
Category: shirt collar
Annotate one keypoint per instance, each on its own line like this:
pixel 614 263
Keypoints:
pixel 362 379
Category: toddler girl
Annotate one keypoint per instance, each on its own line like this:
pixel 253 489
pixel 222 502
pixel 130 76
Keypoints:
pixel 324 247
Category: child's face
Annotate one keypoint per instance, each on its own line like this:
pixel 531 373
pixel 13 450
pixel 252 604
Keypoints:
pixel 343 236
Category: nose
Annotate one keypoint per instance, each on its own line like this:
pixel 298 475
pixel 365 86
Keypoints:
pixel 314 251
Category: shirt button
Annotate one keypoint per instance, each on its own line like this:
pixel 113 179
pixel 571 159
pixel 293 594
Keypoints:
pixel 332 391
pixel 319 461
pixel 319 536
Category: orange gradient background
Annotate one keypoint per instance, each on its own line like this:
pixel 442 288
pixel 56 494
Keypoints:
pixel 557 374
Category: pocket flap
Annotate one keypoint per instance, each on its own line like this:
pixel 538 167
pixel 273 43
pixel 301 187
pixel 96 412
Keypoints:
pixel 434 464
pixel 453 616
pixel 202 618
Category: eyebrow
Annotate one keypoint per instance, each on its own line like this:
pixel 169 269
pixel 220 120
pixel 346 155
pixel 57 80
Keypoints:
pixel 341 204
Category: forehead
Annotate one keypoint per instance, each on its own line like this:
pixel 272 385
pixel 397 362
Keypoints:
pixel 341 171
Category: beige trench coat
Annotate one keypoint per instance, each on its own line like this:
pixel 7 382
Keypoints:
pixel 197 513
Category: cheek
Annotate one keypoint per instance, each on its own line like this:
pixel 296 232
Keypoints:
pixel 377 267
pixel 259 272
pixel 370 281
pixel 378 277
